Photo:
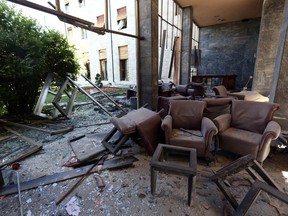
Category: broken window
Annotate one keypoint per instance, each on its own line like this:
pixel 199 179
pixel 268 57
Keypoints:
pixel 83 34
pixel 67 6
pixel 85 56
pixel 103 64
pixel 69 32
pixel 123 61
pixel 100 21
pixel 81 3
pixel 121 18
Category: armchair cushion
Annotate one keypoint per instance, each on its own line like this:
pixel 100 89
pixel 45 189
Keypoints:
pixel 240 141
pixel 187 127
pixel 186 115
pixel 216 107
pixel 252 116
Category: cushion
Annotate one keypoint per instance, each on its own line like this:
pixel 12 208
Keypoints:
pixel 251 115
pixel 124 124
pixel 187 114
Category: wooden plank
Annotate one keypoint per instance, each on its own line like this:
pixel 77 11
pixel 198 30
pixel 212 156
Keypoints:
pixel 59 177
pixel 22 136
pixel 162 54
pixel 35 147
pixel 172 57
pixel 104 93
pixel 87 147
pixel 73 20
pixel 254 192
pixel 37 128
pixel 89 96
pixel 177 62
pixel 42 98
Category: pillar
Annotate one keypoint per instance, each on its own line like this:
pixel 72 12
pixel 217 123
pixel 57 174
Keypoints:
pixel 267 45
pixel 186 45
pixel 147 75
pixel 279 91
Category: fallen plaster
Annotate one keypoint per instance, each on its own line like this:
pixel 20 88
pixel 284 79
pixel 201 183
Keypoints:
pixel 127 190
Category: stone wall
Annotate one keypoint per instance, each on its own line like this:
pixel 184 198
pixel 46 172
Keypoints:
pixel 230 49
pixel 268 45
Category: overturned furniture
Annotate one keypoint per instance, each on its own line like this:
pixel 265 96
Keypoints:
pixel 192 89
pixel 70 89
pixel 146 123
pixel 248 129
pixel 221 92
pixel 263 182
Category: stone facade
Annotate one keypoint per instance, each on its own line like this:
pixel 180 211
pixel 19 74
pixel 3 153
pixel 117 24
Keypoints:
pixel 230 49
pixel 267 46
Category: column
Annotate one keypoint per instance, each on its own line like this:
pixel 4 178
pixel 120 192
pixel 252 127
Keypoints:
pixel 279 91
pixel 147 75
pixel 186 45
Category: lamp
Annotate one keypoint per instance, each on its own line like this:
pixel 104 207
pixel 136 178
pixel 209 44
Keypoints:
pixel 245 87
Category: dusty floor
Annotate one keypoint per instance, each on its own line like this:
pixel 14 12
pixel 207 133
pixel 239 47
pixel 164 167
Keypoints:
pixel 127 190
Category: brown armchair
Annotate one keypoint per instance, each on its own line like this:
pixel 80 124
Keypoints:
pixel 221 91
pixel 193 90
pixel 185 126
pixel 248 129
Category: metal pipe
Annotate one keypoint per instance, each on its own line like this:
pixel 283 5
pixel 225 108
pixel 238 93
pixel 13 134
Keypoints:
pixel 84 92
pixel 106 95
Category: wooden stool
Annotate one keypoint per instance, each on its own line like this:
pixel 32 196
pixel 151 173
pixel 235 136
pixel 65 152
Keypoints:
pixel 158 164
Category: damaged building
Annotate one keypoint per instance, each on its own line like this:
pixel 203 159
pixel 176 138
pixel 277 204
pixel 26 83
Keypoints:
pixel 199 129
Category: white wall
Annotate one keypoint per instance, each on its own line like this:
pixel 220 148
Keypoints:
pixel 96 42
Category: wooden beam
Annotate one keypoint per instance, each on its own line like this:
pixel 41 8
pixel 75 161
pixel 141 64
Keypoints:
pixel 89 96
pixel 65 130
pixel 58 8
pixel 172 57
pixel 72 19
pixel 162 54
pixel 36 147
pixel 59 177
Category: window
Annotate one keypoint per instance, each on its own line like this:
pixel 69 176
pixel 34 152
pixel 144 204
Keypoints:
pixel 67 6
pixel 85 56
pixel 69 32
pixel 103 64
pixel 81 3
pixel 83 34
pixel 121 18
pixel 196 52
pixel 123 63
pixel 100 21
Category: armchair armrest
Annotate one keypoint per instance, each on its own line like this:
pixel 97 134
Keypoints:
pixel 271 132
pixel 273 129
pixel 222 122
pixel 208 127
pixel 208 130
pixel 166 126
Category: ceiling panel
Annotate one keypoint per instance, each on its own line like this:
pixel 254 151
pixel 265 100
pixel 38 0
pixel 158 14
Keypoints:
pixel 212 12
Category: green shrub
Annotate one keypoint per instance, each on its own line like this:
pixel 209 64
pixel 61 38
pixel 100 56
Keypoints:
pixel 28 54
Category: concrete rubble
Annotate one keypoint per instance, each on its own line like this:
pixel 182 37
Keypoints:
pixel 127 190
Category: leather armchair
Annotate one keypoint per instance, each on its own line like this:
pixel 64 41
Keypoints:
pixel 193 90
pixel 248 129
pixel 216 107
pixel 221 91
pixel 186 126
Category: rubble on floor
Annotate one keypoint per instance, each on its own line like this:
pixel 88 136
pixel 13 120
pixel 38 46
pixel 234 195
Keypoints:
pixel 121 186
